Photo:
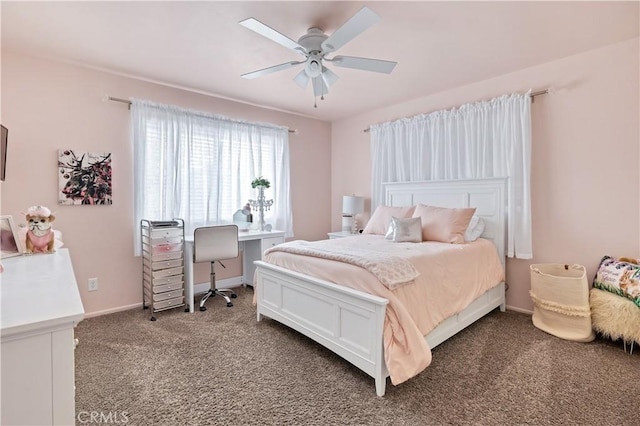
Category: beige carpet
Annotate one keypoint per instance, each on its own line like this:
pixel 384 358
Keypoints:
pixel 221 367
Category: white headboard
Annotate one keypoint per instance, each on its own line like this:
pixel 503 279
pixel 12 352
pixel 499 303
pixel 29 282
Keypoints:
pixel 488 196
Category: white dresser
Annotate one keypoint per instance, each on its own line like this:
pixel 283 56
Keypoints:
pixel 40 306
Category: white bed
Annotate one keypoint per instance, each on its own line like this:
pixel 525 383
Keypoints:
pixel 350 322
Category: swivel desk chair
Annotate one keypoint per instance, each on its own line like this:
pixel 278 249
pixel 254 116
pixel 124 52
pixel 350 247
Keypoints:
pixel 213 244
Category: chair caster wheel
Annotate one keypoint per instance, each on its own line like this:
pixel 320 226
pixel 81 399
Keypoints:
pixel 233 296
pixel 203 308
pixel 229 305
pixel 153 318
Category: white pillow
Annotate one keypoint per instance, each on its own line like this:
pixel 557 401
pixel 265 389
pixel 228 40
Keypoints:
pixel 475 229
pixel 404 230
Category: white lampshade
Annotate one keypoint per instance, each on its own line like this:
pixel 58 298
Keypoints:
pixel 352 205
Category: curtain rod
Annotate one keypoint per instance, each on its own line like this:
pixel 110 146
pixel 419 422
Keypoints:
pixel 533 96
pixel 126 101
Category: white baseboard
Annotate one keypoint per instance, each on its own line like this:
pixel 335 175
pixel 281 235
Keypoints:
pixel 226 283
pixel 113 310
pixel 523 311
pixel 198 288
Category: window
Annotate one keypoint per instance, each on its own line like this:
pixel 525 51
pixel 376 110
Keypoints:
pixel 199 167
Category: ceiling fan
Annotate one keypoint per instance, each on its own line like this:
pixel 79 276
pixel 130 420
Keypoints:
pixel 315 45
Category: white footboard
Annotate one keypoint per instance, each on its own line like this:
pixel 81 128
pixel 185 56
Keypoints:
pixel 345 321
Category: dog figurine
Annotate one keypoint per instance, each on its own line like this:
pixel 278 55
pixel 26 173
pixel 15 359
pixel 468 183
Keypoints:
pixel 40 236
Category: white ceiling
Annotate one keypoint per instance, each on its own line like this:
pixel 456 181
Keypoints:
pixel 200 46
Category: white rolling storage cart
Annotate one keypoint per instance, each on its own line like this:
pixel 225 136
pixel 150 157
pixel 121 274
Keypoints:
pixel 162 265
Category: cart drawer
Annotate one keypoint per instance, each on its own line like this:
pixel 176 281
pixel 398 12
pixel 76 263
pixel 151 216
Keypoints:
pixel 167 287
pixel 167 272
pixel 163 248
pixel 167 295
pixel 168 303
pixel 164 256
pixel 165 264
pixel 175 232
pixel 166 280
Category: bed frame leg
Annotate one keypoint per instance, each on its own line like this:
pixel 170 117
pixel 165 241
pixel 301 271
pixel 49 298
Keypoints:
pixel 259 317
pixel 503 307
pixel 381 385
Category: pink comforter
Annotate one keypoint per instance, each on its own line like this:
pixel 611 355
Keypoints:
pixel 451 277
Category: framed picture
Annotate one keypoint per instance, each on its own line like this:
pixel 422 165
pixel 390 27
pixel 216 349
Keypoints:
pixel 84 178
pixel 10 243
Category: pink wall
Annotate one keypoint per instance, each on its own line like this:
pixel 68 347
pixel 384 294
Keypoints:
pixel 48 106
pixel 585 181
pixel 585 175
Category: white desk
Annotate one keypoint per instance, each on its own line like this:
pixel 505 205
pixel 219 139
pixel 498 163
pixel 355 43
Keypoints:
pixel 252 244
pixel 40 307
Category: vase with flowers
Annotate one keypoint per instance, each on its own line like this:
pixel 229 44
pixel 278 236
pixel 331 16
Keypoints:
pixel 260 202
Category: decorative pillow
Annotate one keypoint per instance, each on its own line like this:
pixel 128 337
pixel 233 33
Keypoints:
pixel 619 276
pixel 404 230
pixel 381 218
pixel 475 229
pixel 443 224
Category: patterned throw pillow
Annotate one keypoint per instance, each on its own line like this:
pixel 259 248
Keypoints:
pixel 620 277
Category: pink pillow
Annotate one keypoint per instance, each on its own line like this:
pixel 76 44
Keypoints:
pixel 379 222
pixel 443 224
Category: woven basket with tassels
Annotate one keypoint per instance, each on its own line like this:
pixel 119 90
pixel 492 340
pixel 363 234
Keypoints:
pixel 560 295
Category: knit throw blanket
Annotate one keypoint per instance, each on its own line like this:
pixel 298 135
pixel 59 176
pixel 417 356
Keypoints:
pixel 391 271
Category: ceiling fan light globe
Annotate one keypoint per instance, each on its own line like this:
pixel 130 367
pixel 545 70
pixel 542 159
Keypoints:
pixel 313 68
pixel 329 76
pixel 301 79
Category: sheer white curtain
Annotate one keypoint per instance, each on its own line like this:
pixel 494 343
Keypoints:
pixel 199 167
pixel 479 140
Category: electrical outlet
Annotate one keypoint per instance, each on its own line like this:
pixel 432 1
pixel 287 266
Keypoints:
pixel 93 284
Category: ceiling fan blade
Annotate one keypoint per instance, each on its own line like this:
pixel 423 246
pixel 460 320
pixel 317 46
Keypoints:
pixel 366 64
pixel 359 22
pixel 319 87
pixel 329 76
pixel 270 70
pixel 273 35
pixel 302 79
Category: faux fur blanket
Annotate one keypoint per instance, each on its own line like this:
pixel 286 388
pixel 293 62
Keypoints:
pixel 391 271
pixel 614 316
